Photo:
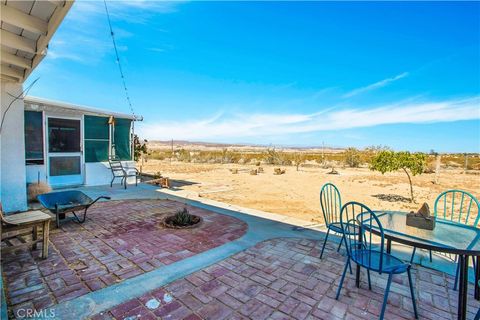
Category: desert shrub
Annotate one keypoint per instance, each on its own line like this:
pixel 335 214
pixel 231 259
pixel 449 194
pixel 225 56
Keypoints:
pixel 35 189
pixel 299 159
pixel 139 147
pixel 183 155
pixel 352 157
pixel 231 156
pixel 430 167
pixel 158 155
pixel 271 156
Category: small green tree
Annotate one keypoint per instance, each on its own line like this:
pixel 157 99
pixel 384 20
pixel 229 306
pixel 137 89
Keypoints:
pixel 139 147
pixel 410 163
pixel 352 157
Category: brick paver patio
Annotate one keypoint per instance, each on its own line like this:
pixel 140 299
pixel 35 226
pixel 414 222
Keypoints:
pixel 284 279
pixel 119 240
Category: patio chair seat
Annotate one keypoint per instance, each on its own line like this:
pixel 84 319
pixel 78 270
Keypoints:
pixel 335 226
pixel 371 259
pixel 360 223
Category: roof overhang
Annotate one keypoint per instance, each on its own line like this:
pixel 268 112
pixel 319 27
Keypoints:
pixel 35 103
pixel 26 29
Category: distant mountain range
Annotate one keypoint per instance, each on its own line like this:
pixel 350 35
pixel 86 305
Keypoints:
pixel 161 144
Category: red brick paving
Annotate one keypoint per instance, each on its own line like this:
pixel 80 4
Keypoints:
pixel 119 240
pixel 284 279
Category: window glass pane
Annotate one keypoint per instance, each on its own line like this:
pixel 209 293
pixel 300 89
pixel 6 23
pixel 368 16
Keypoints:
pixel 33 137
pixel 96 138
pixel 122 139
pixel 63 135
pixel 96 127
pixel 96 150
pixel 64 166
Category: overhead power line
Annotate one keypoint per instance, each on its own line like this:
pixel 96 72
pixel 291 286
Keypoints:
pixel 118 60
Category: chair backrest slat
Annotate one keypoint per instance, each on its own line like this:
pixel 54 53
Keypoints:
pixel 455 208
pixel 357 222
pixel 331 203
pixel 116 166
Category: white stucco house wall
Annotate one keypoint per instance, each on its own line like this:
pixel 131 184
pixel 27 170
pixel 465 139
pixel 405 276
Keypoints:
pixel 68 145
pixel 41 140
pixel 25 31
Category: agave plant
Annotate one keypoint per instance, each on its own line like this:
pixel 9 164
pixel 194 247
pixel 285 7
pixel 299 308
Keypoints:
pixel 183 218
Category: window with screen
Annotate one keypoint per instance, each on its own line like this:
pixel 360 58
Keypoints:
pixel 96 138
pixel 64 166
pixel 34 137
pixel 122 139
pixel 63 135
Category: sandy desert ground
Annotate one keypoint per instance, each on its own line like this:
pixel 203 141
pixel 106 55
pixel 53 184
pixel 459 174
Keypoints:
pixel 296 193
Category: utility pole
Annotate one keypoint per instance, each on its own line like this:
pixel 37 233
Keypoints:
pixel 171 156
pixel 437 166
pixel 466 163
pixel 323 152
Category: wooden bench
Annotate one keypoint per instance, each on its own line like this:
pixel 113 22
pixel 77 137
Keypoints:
pixel 28 222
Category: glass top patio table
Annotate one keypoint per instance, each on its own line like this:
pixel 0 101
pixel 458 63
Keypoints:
pixel 447 236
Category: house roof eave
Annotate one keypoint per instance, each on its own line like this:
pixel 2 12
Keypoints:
pixel 74 107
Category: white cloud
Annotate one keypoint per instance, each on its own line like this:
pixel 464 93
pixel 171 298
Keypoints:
pixel 375 85
pixel 79 42
pixel 237 126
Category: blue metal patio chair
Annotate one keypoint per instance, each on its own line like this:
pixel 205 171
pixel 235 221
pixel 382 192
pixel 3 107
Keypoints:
pixel 456 206
pixel 364 239
pixel 331 203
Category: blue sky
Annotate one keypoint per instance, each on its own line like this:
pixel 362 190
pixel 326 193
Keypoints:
pixel 405 75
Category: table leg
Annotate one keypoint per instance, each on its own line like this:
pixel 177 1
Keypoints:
pixel 389 246
pixel 359 246
pixel 46 237
pixel 477 277
pixel 462 290
pixel 357 276
pixel 34 237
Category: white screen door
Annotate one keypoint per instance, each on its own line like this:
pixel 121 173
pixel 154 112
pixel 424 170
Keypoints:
pixel 64 152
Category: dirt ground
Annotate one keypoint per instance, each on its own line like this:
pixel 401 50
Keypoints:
pixel 296 193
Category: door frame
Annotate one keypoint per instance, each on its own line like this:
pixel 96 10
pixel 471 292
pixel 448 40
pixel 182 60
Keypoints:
pixel 47 116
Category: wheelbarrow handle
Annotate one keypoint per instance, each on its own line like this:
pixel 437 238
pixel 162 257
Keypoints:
pixel 101 197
